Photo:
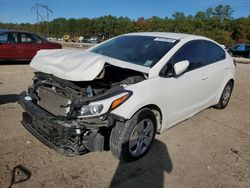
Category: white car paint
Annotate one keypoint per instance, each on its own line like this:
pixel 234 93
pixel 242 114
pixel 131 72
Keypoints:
pixel 178 98
pixel 181 97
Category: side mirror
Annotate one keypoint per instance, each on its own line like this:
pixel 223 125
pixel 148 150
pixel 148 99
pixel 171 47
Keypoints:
pixel 181 67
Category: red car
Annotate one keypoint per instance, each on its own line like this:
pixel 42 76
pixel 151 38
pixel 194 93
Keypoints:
pixel 19 45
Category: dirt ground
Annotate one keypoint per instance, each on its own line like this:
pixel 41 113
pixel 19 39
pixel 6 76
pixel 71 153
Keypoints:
pixel 211 149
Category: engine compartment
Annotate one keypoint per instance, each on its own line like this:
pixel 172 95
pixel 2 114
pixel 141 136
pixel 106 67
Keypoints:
pixel 47 89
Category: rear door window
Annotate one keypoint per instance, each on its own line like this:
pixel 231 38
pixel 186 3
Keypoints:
pixel 25 38
pixel 13 37
pixel 213 52
pixel 29 38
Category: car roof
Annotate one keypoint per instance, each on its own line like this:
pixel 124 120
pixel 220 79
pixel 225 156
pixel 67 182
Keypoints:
pixel 17 31
pixel 176 36
pixel 20 31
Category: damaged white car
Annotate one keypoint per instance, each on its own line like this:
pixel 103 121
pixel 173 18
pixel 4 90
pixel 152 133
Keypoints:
pixel 117 95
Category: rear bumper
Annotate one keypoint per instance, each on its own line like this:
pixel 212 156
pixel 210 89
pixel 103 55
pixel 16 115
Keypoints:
pixel 68 137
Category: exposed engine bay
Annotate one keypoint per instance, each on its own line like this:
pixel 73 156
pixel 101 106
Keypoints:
pixel 49 91
pixel 52 108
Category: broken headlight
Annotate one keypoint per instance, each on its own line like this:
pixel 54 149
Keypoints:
pixel 90 110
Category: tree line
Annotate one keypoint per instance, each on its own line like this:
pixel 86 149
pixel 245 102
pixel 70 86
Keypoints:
pixel 216 23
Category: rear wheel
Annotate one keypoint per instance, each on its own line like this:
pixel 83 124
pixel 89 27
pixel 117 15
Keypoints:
pixel 225 96
pixel 131 140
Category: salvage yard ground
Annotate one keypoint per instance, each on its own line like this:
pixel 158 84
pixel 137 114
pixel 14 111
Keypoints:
pixel 211 149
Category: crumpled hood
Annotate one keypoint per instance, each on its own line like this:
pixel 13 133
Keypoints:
pixel 77 65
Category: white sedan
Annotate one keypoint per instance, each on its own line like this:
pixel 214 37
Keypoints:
pixel 120 93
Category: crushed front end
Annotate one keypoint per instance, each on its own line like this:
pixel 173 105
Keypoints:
pixel 68 137
pixel 66 115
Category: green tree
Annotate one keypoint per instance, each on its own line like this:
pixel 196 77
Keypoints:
pixel 215 22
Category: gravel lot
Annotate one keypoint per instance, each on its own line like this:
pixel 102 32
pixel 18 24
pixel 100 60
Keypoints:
pixel 211 149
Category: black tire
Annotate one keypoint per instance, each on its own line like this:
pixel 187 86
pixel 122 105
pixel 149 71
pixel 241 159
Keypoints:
pixel 120 138
pixel 223 100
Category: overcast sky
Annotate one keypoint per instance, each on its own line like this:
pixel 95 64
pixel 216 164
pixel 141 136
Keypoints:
pixel 18 11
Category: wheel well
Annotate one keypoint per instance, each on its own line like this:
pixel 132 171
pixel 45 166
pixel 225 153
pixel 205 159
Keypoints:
pixel 157 113
pixel 231 81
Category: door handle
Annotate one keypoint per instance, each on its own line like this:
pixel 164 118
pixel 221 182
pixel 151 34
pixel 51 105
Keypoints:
pixel 204 78
pixel 227 68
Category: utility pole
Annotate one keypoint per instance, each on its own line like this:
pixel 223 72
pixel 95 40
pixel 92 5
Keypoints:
pixel 39 14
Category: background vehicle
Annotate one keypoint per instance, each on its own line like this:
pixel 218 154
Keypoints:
pixel 20 45
pixel 92 40
pixel 122 92
pixel 69 38
pixel 240 50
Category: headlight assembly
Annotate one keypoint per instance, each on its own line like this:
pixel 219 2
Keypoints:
pixel 101 107
pixel 90 110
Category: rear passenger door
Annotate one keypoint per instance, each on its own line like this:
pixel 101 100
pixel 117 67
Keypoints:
pixel 29 45
pixel 215 67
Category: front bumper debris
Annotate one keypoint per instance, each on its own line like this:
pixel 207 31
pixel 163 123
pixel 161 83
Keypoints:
pixel 68 137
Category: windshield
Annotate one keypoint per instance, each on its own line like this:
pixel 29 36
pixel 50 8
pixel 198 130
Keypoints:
pixel 141 50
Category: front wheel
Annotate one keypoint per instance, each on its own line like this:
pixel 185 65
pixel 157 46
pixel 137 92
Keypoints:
pixel 225 96
pixel 131 140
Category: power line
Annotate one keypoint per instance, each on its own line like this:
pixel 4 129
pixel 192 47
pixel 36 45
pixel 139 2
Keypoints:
pixel 40 16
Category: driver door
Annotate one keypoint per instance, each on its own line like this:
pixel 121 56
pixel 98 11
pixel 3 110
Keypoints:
pixel 9 46
pixel 185 92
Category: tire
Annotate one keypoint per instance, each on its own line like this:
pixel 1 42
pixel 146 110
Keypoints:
pixel 131 140
pixel 225 96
